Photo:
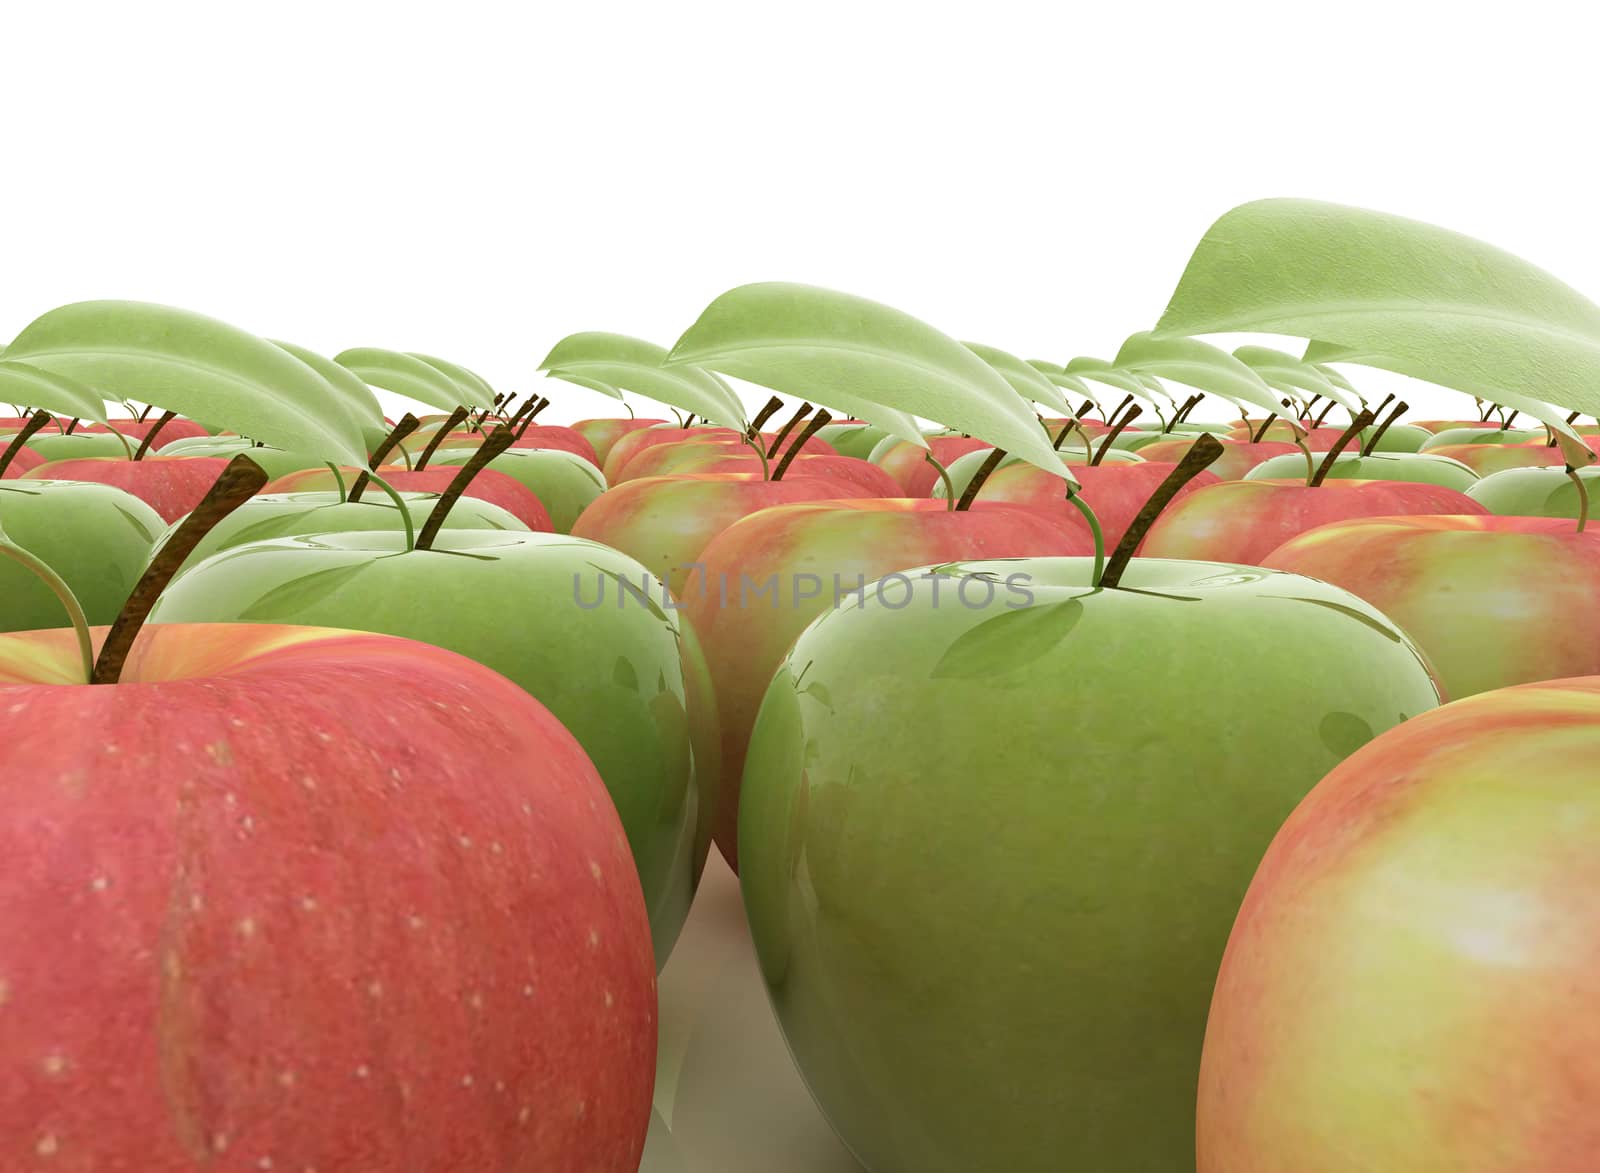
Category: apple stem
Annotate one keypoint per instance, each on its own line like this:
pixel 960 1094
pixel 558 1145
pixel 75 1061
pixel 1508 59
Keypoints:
pixel 1583 497
pixel 818 421
pixel 1262 430
pixel 73 423
pixel 338 479
pixel 144 414
pixel 944 479
pixel 1073 425
pixel 240 481
pixel 1363 419
pixel 1305 408
pixel 772 407
pixel 408 424
pixel 1075 499
pixel 450 424
pixel 69 601
pixel 499 440
pixel 1377 433
pixel 629 406
pixel 1183 412
pixel 149 437
pixel 1127 418
pixel 783 433
pixel 35 422
pixel 985 470
pixel 1505 421
pixel 1324 413
pixel 1201 454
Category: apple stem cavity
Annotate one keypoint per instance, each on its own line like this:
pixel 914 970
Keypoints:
pixel 1377 433
pixel 499 440
pixel 1363 419
pixel 1128 417
pixel 408 424
pixel 1200 456
pixel 155 430
pixel 985 470
pixel 240 481
pixel 818 421
pixel 944 479
pixel 783 433
pixel 438 437
pixel 36 421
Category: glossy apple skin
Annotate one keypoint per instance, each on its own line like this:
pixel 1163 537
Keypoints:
pixel 1486 459
pixel 171 485
pixel 1491 601
pixel 1536 492
pixel 525 605
pixel 745 635
pixel 282 515
pixel 489 485
pixel 1402 438
pixel 175 429
pixel 564 482
pixel 863 474
pixel 22 460
pixel 1412 980
pixel 276 462
pixel 78 445
pixel 1238 457
pixel 337 901
pixel 664 522
pixel 96 537
pixel 1116 492
pixel 636 441
pixel 991 857
pixel 603 433
pixel 1421 468
pixel 1450 437
pixel 697 455
pixel 550 437
pixel 1244 521
pixel 907 463
pixel 852 437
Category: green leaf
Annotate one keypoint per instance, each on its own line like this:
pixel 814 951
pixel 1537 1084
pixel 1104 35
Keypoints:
pixel 359 402
pixel 1406 296
pixel 457 373
pixel 865 357
pixel 1084 367
pixel 1200 365
pixel 407 375
pixel 584 381
pixel 1006 641
pixel 40 389
pixel 633 364
pixel 1281 369
pixel 1057 374
pixel 186 362
pixel 1024 379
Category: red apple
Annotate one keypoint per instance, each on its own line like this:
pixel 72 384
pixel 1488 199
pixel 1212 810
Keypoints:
pixel 1485 459
pixel 488 485
pixel 292 899
pixel 698 455
pixel 1238 456
pixel 171 485
pixel 603 433
pixel 136 430
pixel 907 463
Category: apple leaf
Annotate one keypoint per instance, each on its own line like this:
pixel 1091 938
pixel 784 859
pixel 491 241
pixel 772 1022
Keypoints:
pixel 186 362
pixel 1278 367
pixel 1057 374
pixel 1084 367
pixel 596 360
pixel 35 388
pixel 1006 641
pixel 1200 365
pixel 1025 380
pixel 457 373
pixel 878 363
pixel 358 400
pixel 408 375
pixel 1405 296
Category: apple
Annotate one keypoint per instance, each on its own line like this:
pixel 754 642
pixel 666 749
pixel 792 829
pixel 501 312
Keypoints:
pixel 765 577
pixel 1491 601
pixel 97 538
pixel 636 441
pixel 1535 492
pixel 332 901
pixel 546 610
pixel 695 455
pixel 550 437
pixel 1238 456
pixel 166 429
pixel 991 854
pixel 80 445
pixel 1449 437
pixel 1411 981
pixel 1426 468
pixel 603 433
pixel 1485 459
pixel 852 437
pixel 489 485
pixel 907 463
pixel 171 485
pixel 564 482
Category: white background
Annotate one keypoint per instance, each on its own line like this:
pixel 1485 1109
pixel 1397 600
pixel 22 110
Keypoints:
pixel 476 181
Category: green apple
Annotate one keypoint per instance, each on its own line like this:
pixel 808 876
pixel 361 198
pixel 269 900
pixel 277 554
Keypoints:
pixel 96 537
pixel 852 438
pixel 274 461
pixel 1535 492
pixel 1418 467
pixel 546 610
pixel 564 482
pixel 991 854
pixel 1451 436
pixel 1402 438
pixel 55 446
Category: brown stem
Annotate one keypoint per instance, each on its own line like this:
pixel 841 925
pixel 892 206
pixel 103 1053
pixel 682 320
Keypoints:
pixel 1363 419
pixel 1183 412
pixel 773 405
pixel 37 420
pixel 970 493
pixel 149 437
pixel 67 431
pixel 1061 436
pixel 777 442
pixel 1377 433
pixel 1128 417
pixel 817 422
pixel 240 481
pixel 408 424
pixel 524 422
pixel 450 424
pixel 1324 413
pixel 499 440
pixel 1262 431
pixel 145 413
pixel 1505 425
pixel 1201 454
pixel 1085 408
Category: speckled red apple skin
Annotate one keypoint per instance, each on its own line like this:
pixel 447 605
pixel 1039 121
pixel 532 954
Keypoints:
pixel 298 900
pixel 171 485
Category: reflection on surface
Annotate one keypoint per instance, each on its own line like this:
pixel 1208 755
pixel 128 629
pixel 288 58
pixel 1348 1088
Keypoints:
pixel 728 1098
